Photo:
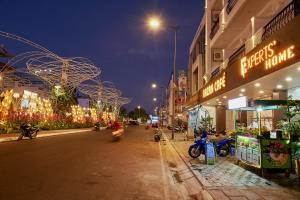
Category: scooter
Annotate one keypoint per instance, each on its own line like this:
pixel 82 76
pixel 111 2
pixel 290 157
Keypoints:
pixel 198 147
pixel 179 129
pixel 96 126
pixel 28 130
pixel 157 135
pixel 222 147
pixel 117 131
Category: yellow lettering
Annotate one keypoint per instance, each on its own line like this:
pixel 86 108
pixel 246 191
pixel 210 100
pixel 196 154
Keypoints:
pixel 243 66
pixel 270 50
pixel 268 64
pixel 282 56
pixel 268 56
pixel 290 53
pixel 215 86
pixel 274 60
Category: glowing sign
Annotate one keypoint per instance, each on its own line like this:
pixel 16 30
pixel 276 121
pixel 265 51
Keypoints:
pixel 217 85
pixel 268 56
pixel 237 103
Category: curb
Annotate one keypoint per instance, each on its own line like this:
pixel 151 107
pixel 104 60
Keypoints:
pixel 204 193
pixel 63 132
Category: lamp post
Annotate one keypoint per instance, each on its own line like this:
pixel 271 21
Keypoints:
pixel 155 23
pixel 154 86
pixel 139 107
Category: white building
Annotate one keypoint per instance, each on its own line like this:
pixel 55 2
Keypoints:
pixel 228 56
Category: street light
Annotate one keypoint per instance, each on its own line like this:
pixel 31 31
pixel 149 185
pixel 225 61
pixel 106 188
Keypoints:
pixel 154 23
pixel 139 107
pixel 154 86
pixel 154 99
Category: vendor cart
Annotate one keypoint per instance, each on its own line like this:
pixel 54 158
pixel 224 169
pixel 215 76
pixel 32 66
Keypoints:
pixel 261 148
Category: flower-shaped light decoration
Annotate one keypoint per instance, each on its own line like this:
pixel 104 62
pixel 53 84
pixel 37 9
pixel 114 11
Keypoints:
pixel 66 73
pixel 105 94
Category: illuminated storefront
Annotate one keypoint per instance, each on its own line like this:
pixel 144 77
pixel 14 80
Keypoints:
pixel 270 71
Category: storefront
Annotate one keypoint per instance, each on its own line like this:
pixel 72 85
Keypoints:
pixel 270 71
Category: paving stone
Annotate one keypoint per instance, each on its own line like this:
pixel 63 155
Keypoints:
pixel 251 195
pixel 238 198
pixel 232 192
pixel 218 194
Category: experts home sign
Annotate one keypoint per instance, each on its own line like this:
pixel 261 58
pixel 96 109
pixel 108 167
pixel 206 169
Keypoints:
pixel 267 55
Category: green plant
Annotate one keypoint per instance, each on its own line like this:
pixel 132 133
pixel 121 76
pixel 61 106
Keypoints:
pixel 291 124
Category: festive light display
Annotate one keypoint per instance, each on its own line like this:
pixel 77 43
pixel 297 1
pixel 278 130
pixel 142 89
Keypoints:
pixel 34 92
pixel 94 115
pixel 105 94
pixel 77 113
pixel 57 71
pixel 6 103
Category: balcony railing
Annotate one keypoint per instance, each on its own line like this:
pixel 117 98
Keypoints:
pixel 214 28
pixel 230 5
pixel 215 72
pixel 281 19
pixel 237 55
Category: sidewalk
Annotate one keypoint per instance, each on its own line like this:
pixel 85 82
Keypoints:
pixel 14 136
pixel 228 181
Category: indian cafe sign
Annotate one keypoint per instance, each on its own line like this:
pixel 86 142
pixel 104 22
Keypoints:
pixel 267 55
pixel 215 86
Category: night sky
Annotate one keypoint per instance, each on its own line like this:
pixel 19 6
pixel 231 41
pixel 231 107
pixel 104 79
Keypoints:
pixel 112 34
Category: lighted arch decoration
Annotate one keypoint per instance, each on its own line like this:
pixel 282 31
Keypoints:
pixel 105 94
pixel 66 73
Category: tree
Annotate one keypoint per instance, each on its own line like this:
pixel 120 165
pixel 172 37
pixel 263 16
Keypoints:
pixel 123 112
pixel 138 113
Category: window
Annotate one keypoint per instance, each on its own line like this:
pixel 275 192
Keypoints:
pixel 195 80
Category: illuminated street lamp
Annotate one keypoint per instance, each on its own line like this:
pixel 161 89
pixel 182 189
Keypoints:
pixel 154 99
pixel 139 107
pixel 153 85
pixel 154 23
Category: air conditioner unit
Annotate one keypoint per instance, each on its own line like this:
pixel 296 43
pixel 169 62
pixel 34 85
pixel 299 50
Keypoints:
pixel 218 55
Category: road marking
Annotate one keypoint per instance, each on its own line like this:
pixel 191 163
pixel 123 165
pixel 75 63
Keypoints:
pixel 163 170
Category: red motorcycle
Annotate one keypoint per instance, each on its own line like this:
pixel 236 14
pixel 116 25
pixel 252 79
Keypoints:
pixel 117 130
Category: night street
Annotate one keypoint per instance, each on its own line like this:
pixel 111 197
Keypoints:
pixel 150 100
pixel 84 166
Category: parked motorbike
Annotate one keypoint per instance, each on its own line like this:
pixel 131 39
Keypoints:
pixel 157 135
pixel 28 130
pixel 222 147
pixel 96 126
pixel 198 147
pixel 179 129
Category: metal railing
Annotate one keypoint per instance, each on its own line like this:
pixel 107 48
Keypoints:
pixel 239 53
pixel 215 27
pixel 215 72
pixel 230 5
pixel 281 19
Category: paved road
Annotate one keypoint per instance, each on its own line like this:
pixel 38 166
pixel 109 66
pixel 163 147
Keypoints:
pixel 84 166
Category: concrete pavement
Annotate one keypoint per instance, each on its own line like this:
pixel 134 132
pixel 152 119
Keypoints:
pixel 225 180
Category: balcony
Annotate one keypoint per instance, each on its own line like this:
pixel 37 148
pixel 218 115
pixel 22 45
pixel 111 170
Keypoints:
pixel 230 5
pixel 215 72
pixel 214 28
pixel 281 19
pixel 238 54
pixel 234 22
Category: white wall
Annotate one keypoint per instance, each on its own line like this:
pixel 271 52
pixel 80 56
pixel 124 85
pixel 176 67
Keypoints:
pixel 295 93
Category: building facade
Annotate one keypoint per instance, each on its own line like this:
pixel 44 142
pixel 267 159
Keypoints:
pixel 244 49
